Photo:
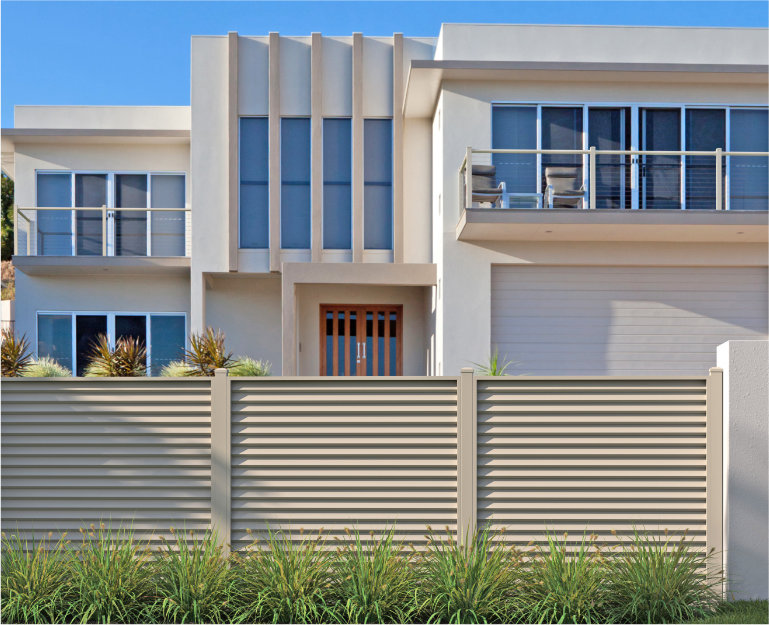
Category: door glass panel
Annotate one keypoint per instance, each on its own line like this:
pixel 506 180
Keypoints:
pixel 369 343
pixel 91 191
pixel 341 347
pixel 329 338
pixel 561 130
pixel 352 343
pixel 87 330
pixel 393 363
pixel 54 228
pixel 167 340
pixel 705 130
pixel 167 227
pixel 132 326
pixel 661 175
pixel 54 338
pixel 748 177
pixel 608 129
pixel 515 128
pixel 131 226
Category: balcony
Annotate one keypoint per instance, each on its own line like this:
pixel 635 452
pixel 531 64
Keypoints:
pixel 613 195
pixel 60 240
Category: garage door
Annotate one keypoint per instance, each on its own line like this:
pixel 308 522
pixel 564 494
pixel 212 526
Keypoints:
pixel 619 320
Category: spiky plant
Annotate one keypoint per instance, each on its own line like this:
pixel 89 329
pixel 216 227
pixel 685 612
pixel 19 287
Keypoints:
pixel 207 353
pixel 127 360
pixel 45 368
pixel 14 354
pixel 246 366
pixel 496 365
pixel 177 369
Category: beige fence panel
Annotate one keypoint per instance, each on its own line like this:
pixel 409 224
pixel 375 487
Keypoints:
pixel 123 451
pixel 343 452
pixel 592 454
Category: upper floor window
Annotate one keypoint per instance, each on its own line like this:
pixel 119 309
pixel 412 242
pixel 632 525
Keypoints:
pixel 337 183
pixel 128 233
pixel 295 183
pixel 377 184
pixel 254 176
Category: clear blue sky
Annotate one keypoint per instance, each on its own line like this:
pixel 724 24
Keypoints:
pixel 138 52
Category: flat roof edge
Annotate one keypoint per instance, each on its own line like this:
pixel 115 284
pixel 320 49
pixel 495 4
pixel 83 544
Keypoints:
pixel 709 68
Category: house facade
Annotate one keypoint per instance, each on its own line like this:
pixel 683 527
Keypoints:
pixel 581 199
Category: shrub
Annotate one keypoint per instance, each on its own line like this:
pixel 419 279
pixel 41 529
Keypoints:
pixel 193 580
pixel 111 577
pixel 127 360
pixel 284 581
pixel 207 353
pixel 34 586
pixel 661 580
pixel 496 365
pixel 245 366
pixel 471 582
pixel 375 581
pixel 14 354
pixel 45 368
pixel 177 369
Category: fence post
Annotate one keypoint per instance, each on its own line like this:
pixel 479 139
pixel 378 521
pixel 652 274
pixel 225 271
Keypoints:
pixel 467 504
pixel 221 458
pixel 592 177
pixel 714 468
pixel 719 179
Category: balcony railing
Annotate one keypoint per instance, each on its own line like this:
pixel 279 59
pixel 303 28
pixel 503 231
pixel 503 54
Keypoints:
pixel 101 231
pixel 614 179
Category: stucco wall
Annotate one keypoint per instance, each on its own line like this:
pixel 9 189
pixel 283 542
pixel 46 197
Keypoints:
pixel 746 467
pixel 103 117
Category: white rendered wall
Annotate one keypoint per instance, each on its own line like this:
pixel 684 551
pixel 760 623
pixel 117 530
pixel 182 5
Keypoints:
pixel 746 467
pixel 103 117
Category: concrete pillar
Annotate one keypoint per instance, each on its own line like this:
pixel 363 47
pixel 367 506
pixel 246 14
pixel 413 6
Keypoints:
pixel 746 467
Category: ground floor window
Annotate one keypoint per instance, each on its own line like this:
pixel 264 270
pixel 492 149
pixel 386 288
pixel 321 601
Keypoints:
pixel 68 337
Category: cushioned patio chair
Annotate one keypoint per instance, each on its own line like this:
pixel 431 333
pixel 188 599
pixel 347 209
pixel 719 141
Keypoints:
pixel 564 187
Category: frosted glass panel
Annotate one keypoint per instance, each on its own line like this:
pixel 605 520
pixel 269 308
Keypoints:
pixel 254 196
pixel 377 184
pixel 167 226
pixel 167 340
pixel 54 338
pixel 131 226
pixel 54 228
pixel 515 128
pixel 295 183
pixel 749 181
pixel 337 178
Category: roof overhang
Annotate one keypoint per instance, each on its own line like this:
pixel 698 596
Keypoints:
pixel 426 77
pixel 101 265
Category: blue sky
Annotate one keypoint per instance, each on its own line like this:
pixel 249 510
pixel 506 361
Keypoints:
pixel 138 52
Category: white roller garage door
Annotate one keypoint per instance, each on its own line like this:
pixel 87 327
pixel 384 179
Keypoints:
pixel 623 320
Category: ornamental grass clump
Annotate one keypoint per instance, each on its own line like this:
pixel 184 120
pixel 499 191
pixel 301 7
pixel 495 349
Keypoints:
pixel 469 582
pixel 128 359
pixel 45 368
pixel 15 354
pixel 661 579
pixel 192 580
pixel 246 366
pixel 35 581
pixel 177 369
pixel 207 353
pixel 284 581
pixel 375 580
pixel 110 577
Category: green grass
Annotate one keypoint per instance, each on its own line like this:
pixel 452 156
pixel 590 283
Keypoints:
pixel 738 612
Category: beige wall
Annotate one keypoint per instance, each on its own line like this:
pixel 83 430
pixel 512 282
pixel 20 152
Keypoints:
pixel 309 297
pixel 103 117
pixel 248 310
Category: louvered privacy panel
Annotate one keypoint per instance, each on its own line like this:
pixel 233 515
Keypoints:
pixel 595 454
pixel 126 451
pixel 334 453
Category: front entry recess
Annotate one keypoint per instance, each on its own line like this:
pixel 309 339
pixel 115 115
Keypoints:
pixel 361 340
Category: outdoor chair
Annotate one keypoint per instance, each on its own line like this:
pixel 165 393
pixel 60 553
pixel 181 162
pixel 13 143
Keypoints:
pixel 564 187
pixel 485 186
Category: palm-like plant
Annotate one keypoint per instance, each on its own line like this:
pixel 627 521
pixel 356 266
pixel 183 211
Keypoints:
pixel 207 353
pixel 127 360
pixel 496 365
pixel 14 354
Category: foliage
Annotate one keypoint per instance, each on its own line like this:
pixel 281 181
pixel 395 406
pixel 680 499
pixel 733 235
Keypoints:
pixel 177 369
pixel 207 353
pixel 15 354
pixel 246 366
pixel 127 360
pixel 469 582
pixel 738 612
pixel 45 367
pixel 496 365
pixel 6 227
pixel 35 581
pixel 8 279
pixel 659 580
pixel 376 580
pixel 193 580
pixel 111 580
pixel 284 581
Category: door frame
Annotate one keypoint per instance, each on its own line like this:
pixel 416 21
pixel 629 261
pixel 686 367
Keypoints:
pixel 360 309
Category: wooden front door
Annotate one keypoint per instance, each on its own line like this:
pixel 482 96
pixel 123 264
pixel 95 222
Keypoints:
pixel 361 340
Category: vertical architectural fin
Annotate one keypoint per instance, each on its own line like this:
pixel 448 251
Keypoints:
pixel 232 149
pixel 398 147
pixel 357 147
pixel 274 150
pixel 316 146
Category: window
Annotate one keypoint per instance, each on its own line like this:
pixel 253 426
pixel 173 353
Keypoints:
pixel 254 176
pixel 377 184
pixel 515 128
pixel 748 177
pixel 54 228
pixel 705 130
pixel 337 184
pixel 69 337
pixel 130 226
pixel 168 227
pixel 295 183
pixel 90 190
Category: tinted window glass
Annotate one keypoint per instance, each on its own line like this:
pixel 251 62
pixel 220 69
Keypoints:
pixel 91 191
pixel 87 330
pixel 377 184
pixel 337 179
pixel 254 197
pixel 54 228
pixel 295 183
pixel 748 178
pixel 54 338
pixel 167 339
pixel 131 226
pixel 167 226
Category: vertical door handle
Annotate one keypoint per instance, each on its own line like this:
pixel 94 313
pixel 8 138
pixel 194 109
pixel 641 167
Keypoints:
pixel 364 350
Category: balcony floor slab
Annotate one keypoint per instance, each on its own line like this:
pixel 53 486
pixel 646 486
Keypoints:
pixel 99 265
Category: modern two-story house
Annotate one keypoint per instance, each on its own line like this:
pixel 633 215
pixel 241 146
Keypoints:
pixel 582 199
